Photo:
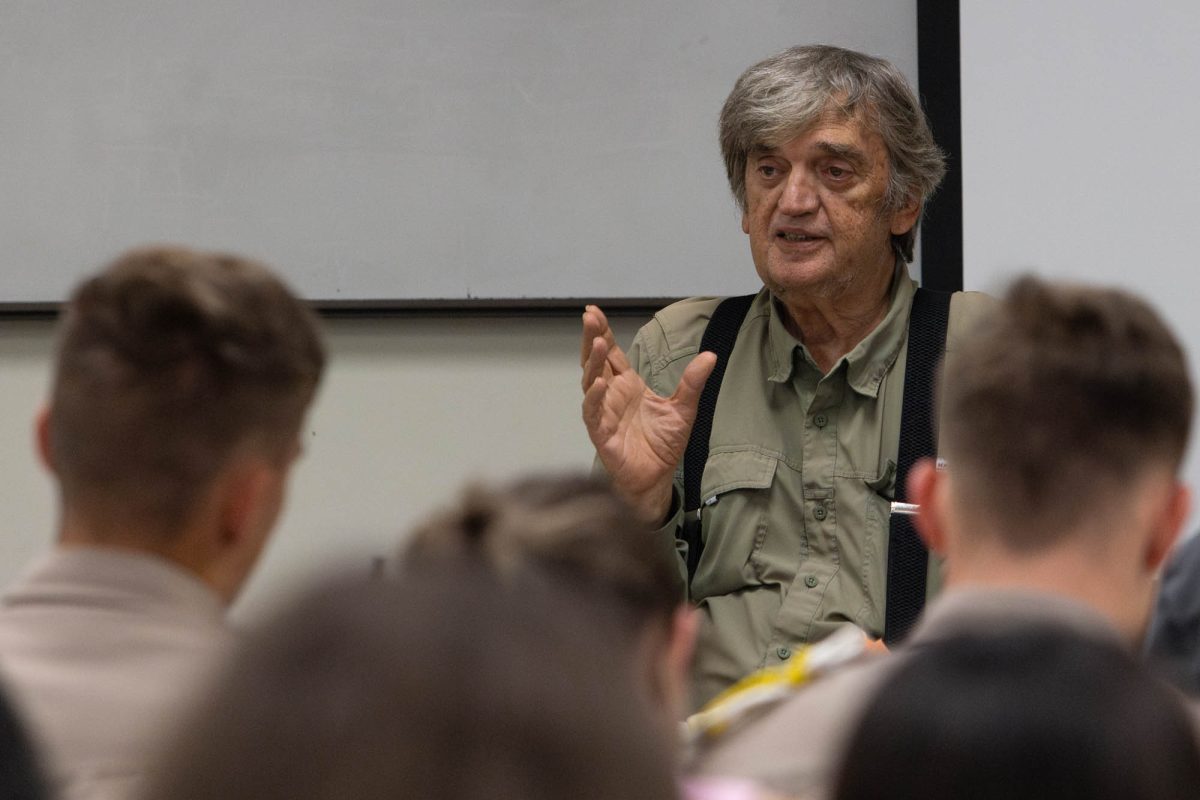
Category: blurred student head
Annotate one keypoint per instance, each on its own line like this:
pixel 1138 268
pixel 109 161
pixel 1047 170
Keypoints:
pixel 574 530
pixel 1039 713
pixel 445 684
pixel 181 382
pixel 1065 415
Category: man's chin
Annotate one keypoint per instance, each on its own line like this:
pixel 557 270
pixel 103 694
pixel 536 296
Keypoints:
pixel 799 277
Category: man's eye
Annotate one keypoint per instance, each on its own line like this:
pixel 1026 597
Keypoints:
pixel 837 173
pixel 767 171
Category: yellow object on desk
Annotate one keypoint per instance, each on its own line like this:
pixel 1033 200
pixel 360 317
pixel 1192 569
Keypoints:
pixel 771 684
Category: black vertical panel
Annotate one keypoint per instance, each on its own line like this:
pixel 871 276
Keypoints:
pixel 940 86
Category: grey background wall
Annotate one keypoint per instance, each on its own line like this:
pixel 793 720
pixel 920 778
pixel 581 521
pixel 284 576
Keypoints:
pixel 1079 128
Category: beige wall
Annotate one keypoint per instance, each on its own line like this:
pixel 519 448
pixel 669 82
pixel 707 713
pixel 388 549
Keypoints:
pixel 410 409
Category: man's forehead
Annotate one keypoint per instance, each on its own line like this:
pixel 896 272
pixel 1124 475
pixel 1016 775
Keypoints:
pixel 847 136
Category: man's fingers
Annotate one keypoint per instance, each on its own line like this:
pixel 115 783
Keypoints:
pixel 593 366
pixel 593 408
pixel 695 375
pixel 616 356
pixel 605 328
pixel 592 329
pixel 595 325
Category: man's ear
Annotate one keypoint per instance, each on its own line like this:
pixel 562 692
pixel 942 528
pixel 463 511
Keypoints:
pixel 926 490
pixel 41 438
pixel 905 217
pixel 1168 526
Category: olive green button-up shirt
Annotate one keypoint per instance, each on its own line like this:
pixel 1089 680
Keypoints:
pixel 796 490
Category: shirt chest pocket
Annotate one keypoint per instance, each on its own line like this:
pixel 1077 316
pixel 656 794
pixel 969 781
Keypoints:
pixel 734 495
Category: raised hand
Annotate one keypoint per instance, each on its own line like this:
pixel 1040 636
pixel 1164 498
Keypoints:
pixel 639 436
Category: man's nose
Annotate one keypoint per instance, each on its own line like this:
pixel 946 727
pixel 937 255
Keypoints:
pixel 799 194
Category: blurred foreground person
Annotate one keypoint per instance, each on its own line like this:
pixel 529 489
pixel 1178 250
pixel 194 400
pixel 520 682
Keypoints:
pixel 446 684
pixel 1039 714
pixel 1173 643
pixel 574 530
pixel 180 386
pixel 20 775
pixel 1065 416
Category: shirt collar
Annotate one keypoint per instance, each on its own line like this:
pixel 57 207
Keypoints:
pixel 106 576
pixel 972 609
pixel 869 361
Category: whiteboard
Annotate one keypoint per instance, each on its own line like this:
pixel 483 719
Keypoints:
pixel 395 151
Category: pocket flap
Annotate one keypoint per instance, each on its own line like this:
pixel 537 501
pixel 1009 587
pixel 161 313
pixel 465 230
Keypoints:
pixel 736 469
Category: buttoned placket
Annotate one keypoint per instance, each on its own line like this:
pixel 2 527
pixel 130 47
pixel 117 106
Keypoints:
pixel 819 399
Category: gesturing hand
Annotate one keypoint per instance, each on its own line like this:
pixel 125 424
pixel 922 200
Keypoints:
pixel 639 436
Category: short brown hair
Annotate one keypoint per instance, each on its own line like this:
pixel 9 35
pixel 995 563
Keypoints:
pixel 780 97
pixel 571 527
pixel 1059 399
pixel 169 361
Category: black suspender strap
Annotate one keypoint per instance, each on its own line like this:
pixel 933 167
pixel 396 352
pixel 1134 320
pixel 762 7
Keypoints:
pixel 908 561
pixel 718 338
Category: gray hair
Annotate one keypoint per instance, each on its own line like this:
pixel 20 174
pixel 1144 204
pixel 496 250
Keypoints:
pixel 779 98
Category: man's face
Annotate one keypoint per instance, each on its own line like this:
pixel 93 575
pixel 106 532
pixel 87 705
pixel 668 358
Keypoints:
pixel 814 211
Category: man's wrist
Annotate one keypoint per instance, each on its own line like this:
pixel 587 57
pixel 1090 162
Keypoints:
pixel 656 508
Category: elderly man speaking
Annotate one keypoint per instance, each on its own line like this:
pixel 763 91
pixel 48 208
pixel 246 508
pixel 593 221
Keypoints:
pixel 780 509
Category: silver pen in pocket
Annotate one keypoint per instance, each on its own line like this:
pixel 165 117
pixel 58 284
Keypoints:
pixel 911 509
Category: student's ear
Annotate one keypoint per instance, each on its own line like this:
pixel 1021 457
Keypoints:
pixel 926 489
pixel 685 623
pixel 41 438
pixel 247 490
pixel 675 667
pixel 1168 526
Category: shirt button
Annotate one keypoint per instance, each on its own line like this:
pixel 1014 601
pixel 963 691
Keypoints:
pixel 820 513
pixel 810 581
pixel 820 420
pixel 783 653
